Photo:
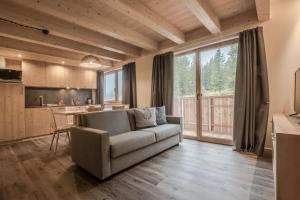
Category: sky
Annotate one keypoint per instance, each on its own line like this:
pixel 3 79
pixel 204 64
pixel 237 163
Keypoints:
pixel 208 54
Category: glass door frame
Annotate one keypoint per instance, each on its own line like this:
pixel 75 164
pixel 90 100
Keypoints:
pixel 197 51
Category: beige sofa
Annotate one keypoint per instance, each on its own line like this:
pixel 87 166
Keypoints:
pixel 108 142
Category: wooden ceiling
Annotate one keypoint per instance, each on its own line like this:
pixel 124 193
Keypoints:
pixel 118 30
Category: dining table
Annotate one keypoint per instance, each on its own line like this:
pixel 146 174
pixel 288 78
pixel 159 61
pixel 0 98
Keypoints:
pixel 76 114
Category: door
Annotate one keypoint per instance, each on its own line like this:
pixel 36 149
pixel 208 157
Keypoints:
pixel 204 83
pixel 218 68
pixel 185 92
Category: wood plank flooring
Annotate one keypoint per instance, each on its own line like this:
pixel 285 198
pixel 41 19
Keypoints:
pixel 192 170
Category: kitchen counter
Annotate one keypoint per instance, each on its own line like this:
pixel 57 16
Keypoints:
pixel 61 106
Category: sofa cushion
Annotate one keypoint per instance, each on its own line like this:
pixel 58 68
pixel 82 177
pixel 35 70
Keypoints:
pixel 164 131
pixel 114 122
pixel 145 117
pixel 130 141
pixel 161 117
pixel 131 117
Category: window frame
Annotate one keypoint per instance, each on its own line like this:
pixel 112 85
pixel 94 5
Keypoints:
pixel 116 89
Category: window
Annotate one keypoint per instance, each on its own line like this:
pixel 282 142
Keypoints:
pixel 113 86
pixel 120 83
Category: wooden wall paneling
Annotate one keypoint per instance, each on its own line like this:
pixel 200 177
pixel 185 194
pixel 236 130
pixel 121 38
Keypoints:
pixel 12 125
pixel 34 73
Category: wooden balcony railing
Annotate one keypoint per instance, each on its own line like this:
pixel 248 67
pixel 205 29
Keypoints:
pixel 217 114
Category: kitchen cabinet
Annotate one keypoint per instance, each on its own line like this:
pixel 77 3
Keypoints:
pixel 12 125
pixel 55 76
pixel 37 121
pixel 40 74
pixel 90 79
pixel 34 73
pixel 86 78
pixel 13 64
pixel 70 77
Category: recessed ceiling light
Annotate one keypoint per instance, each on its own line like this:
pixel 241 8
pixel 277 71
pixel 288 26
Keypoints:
pixel 19 55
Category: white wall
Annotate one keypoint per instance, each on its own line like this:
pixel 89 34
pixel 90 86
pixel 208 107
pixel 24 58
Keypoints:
pixel 282 42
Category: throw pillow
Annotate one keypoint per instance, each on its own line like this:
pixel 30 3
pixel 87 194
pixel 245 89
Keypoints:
pixel 131 118
pixel 161 117
pixel 145 117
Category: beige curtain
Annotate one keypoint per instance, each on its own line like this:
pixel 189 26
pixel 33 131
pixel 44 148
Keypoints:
pixel 251 106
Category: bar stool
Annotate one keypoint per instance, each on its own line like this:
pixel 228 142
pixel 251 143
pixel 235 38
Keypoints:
pixel 57 130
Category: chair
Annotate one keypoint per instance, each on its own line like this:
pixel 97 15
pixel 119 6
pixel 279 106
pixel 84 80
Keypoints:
pixel 57 130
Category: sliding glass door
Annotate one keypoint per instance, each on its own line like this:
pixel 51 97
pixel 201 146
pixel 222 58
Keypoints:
pixel 204 82
pixel 218 67
pixel 185 104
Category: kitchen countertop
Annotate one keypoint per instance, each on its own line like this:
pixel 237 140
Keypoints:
pixel 60 106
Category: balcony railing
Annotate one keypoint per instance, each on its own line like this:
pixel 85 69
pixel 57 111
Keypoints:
pixel 217 115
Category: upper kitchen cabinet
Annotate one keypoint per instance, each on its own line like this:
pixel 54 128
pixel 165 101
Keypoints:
pixel 90 79
pixel 41 74
pixel 55 75
pixel 13 64
pixel 34 73
pixel 70 76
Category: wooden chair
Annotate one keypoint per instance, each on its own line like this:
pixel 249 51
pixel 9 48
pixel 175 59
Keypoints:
pixel 59 129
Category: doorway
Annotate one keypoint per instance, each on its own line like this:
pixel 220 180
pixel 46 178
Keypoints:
pixel 204 84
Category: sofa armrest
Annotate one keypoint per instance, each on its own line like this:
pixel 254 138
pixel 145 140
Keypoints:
pixel 90 150
pixel 176 120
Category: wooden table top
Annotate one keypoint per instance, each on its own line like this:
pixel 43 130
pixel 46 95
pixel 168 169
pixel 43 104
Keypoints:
pixel 76 112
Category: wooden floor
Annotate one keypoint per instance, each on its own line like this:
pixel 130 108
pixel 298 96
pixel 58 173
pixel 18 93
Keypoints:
pixel 192 170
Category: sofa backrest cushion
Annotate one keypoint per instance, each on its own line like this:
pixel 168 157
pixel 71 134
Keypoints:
pixel 145 117
pixel 114 122
pixel 131 117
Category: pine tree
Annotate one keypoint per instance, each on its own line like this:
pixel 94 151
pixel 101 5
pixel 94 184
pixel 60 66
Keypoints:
pixel 231 69
pixel 184 76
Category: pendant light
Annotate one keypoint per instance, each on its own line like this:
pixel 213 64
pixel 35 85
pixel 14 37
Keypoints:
pixel 90 61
